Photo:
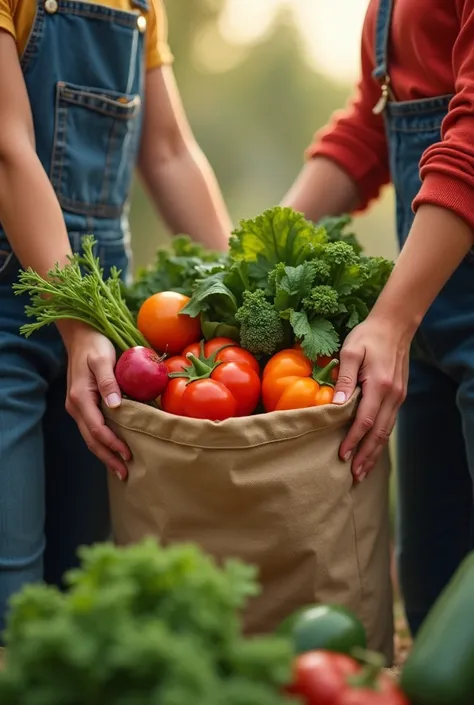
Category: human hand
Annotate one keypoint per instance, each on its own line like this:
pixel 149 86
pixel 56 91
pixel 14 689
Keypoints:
pixel 374 355
pixel 91 361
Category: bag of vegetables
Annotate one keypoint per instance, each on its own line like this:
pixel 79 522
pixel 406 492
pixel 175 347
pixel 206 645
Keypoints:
pixel 240 452
pixel 270 490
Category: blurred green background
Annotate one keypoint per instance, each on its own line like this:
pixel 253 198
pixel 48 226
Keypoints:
pixel 254 107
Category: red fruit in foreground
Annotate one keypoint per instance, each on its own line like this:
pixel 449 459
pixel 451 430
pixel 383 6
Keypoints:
pixel 141 374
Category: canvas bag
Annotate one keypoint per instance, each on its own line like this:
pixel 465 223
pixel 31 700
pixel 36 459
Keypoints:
pixel 270 490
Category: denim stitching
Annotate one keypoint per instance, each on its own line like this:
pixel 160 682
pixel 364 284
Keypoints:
pixel 35 36
pixel 116 111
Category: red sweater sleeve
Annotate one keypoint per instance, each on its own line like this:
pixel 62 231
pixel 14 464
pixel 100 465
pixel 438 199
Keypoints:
pixel 355 138
pixel 447 167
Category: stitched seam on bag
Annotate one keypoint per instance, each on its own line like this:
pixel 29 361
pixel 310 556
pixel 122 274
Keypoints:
pixel 242 447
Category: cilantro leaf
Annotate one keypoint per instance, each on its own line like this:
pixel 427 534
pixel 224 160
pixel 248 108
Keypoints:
pixel 318 336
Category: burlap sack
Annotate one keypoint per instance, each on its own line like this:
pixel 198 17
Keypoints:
pixel 270 490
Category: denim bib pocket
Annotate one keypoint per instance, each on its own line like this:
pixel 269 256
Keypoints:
pixel 99 129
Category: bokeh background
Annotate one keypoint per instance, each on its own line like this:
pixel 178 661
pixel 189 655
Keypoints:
pixel 258 78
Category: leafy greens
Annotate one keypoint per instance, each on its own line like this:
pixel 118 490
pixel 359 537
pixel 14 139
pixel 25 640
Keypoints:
pixel 142 625
pixel 313 276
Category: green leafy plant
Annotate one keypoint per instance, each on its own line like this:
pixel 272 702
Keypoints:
pixel 142 625
pixel 314 278
pixel 176 268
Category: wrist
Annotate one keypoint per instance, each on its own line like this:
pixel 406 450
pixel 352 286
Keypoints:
pixel 401 320
pixel 70 330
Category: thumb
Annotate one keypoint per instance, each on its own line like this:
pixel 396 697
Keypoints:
pixel 349 365
pixel 102 367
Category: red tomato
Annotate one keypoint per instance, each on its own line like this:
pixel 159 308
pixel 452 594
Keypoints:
pixel 176 363
pixel 243 383
pixel 212 345
pixel 240 356
pixel 209 347
pixel 232 352
pixel 172 397
pixel 208 399
pixel 328 678
pixel 160 321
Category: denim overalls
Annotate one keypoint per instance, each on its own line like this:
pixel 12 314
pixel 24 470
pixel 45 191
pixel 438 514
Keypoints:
pixel 435 451
pixel 84 71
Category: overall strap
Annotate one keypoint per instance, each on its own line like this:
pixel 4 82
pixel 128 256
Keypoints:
pixel 382 35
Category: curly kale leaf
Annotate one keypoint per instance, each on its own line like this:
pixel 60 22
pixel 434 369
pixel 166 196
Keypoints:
pixel 139 626
pixel 277 235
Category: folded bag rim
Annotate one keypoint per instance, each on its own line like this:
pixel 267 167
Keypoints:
pixel 233 433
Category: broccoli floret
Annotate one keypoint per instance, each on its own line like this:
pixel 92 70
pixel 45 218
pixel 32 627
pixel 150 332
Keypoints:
pixel 322 301
pixel 261 328
pixel 339 254
pixel 322 270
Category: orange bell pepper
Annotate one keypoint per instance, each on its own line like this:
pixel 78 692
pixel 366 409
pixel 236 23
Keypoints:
pixel 292 381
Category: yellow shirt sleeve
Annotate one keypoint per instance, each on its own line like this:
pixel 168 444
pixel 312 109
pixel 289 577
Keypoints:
pixel 6 17
pixel 158 51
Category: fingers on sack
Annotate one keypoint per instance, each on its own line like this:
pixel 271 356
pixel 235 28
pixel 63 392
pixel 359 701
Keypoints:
pixel 100 439
pixel 102 368
pixel 379 424
pixel 349 366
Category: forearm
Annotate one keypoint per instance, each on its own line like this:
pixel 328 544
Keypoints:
pixel 30 213
pixel 33 220
pixel 322 189
pixel 185 191
pixel 436 245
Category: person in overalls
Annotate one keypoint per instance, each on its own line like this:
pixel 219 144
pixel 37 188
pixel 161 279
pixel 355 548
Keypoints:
pixel 87 94
pixel 412 123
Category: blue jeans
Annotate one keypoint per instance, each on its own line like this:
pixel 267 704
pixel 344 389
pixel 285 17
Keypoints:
pixel 53 491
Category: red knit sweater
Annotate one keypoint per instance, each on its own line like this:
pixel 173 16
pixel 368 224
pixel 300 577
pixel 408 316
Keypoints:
pixel 431 53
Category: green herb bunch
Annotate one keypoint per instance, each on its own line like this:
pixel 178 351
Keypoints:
pixel 142 625
pixel 79 291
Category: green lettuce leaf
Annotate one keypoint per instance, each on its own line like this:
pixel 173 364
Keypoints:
pixel 277 235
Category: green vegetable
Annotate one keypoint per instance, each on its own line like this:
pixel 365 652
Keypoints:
pixel 176 268
pixel 323 300
pixel 440 667
pixel 261 328
pixel 335 231
pixel 319 284
pixel 328 627
pixel 78 291
pixel 140 626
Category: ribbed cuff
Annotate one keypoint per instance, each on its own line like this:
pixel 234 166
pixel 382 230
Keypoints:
pixel 446 191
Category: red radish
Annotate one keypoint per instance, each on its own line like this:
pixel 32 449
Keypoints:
pixel 141 374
